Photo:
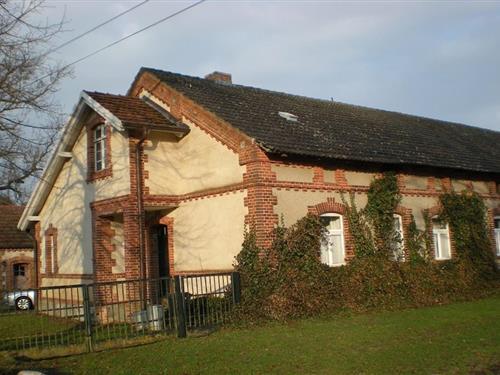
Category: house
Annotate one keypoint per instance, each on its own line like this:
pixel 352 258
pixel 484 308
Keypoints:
pixel 17 269
pixel 163 181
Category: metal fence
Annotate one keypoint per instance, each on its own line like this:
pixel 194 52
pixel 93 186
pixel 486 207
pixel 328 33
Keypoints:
pixel 89 315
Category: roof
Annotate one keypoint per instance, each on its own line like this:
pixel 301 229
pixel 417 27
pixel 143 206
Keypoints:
pixel 10 236
pixel 136 112
pixel 339 131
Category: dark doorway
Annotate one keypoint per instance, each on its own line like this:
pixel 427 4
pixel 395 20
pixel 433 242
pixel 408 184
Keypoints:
pixel 162 236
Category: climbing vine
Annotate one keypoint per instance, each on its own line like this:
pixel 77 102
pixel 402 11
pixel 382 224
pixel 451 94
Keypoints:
pixel 288 279
pixel 466 216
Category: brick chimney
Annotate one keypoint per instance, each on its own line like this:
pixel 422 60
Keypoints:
pixel 220 77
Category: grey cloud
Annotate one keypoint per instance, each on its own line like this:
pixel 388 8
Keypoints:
pixel 432 59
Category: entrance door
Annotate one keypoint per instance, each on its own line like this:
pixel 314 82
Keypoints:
pixel 163 266
pixel 21 275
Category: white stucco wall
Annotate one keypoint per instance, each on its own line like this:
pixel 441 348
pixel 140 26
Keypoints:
pixel 194 163
pixel 67 206
pixel 208 233
pixel 294 174
pixel 293 205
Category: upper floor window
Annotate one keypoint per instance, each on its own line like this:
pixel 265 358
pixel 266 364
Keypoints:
pixel 332 246
pixel 441 239
pixel 99 148
pixel 398 246
pixel 497 233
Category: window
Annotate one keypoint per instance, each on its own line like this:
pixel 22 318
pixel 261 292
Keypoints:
pixel 19 270
pixel 99 148
pixel 497 233
pixel 441 239
pixel 398 245
pixel 332 246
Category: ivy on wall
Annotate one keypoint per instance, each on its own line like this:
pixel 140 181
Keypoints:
pixel 288 280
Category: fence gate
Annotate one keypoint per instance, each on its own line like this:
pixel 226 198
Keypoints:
pixel 90 315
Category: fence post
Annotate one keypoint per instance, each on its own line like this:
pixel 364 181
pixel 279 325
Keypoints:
pixel 236 287
pixel 87 318
pixel 180 308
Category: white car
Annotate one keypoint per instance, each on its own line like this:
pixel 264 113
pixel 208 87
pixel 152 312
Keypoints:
pixel 21 299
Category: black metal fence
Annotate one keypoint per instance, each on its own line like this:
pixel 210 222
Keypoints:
pixel 89 315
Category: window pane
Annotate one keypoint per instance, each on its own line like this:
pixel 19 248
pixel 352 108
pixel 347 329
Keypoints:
pixel 331 222
pixel 324 250
pixel 97 133
pixel 98 151
pixel 337 251
pixel 445 246
pixel 435 238
pixel 335 223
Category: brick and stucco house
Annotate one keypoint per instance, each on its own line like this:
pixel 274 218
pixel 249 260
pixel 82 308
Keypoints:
pixel 16 251
pixel 163 180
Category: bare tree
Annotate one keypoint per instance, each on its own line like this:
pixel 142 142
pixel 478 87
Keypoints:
pixel 29 77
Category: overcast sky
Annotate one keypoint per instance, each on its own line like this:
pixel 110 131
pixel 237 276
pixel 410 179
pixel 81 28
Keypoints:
pixel 435 59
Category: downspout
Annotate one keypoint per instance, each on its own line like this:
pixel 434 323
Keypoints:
pixel 140 200
pixel 35 256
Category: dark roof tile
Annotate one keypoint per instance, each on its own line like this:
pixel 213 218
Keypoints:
pixel 10 236
pixel 333 130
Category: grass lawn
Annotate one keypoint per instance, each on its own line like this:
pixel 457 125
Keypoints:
pixel 457 338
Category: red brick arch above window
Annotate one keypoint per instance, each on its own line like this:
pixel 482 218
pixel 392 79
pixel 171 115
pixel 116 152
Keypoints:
pixel 330 206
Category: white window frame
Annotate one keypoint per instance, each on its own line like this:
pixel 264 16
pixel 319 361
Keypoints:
pixel 437 245
pixel 102 141
pixel 398 253
pixel 339 232
pixel 496 232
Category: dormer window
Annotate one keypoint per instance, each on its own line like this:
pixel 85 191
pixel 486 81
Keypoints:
pixel 99 148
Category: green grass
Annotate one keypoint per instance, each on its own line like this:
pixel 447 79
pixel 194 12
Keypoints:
pixel 456 338
pixel 24 324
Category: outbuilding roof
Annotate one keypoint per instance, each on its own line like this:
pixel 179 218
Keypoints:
pixel 296 125
pixel 10 236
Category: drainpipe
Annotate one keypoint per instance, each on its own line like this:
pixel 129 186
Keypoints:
pixel 140 207
pixel 35 256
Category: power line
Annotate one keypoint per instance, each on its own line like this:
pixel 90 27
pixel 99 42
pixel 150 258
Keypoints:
pixel 97 27
pixel 172 15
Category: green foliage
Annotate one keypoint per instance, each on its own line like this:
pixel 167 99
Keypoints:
pixel 466 216
pixel 364 245
pixel 416 243
pixel 288 280
pixel 383 198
